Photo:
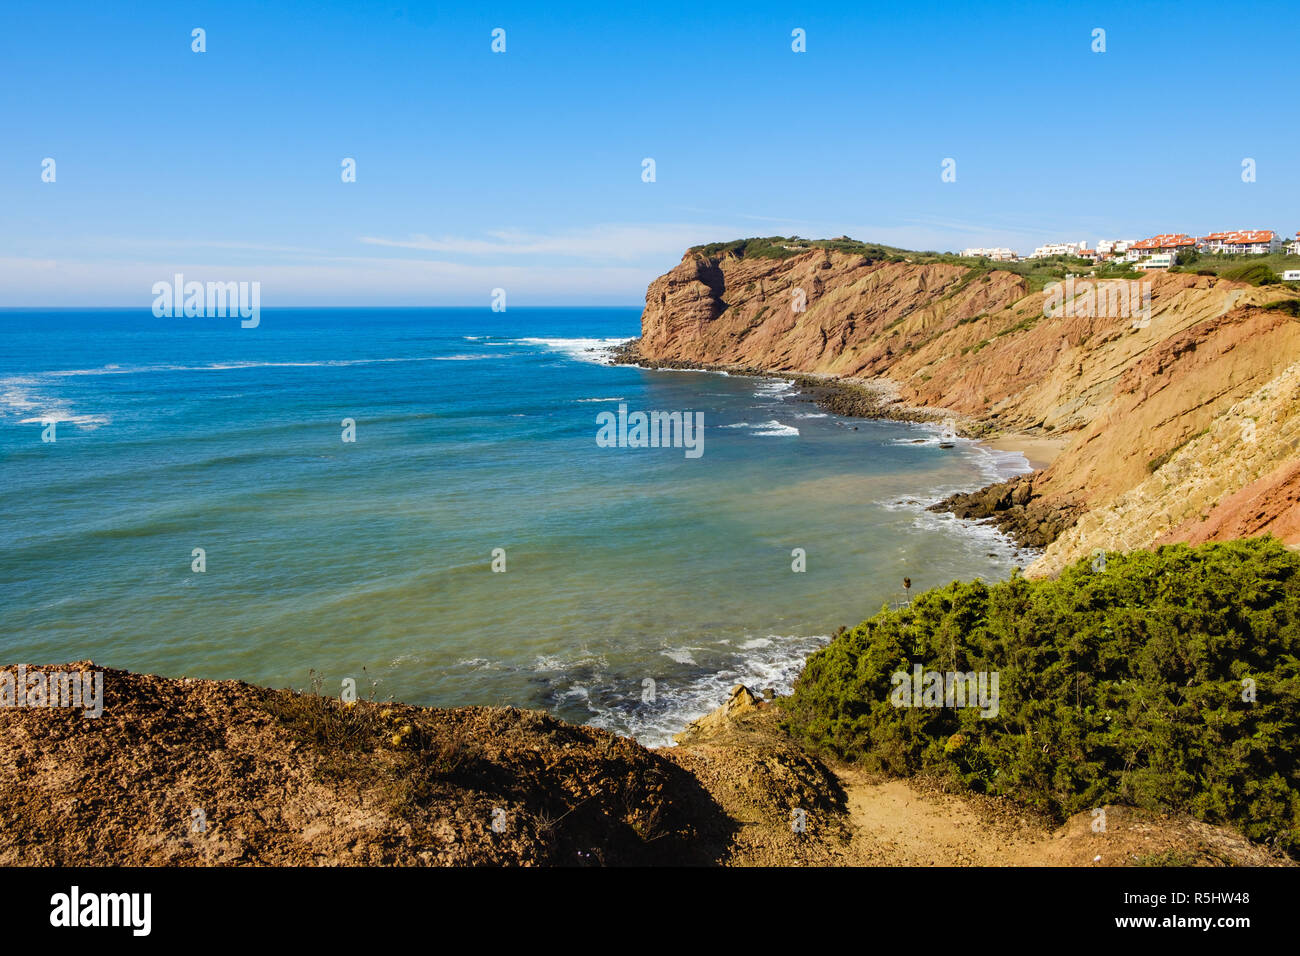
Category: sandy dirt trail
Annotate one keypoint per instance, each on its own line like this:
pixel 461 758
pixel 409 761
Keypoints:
pixel 762 780
pixel 893 823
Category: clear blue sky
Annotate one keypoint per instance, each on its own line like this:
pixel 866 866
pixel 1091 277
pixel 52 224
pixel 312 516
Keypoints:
pixel 522 170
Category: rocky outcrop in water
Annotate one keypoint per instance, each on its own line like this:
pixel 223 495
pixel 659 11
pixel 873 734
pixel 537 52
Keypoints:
pixel 1015 508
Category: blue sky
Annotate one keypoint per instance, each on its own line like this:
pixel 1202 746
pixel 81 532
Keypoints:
pixel 522 170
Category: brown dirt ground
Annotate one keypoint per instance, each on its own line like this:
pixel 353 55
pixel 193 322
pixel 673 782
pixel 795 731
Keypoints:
pixel 299 779
pixel 859 819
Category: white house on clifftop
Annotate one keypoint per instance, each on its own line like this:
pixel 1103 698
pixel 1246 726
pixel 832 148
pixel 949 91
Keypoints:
pixel 1248 241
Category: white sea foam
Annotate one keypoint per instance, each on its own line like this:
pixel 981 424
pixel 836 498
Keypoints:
pixel 584 350
pixel 766 429
pixel 706 674
pixel 19 397
pixel 679 654
pixel 619 398
pixel 1000 465
pixel 773 389
pixel 993 464
pixel 29 394
pixel 925 520
pixel 61 415
pixel 775 428
pixel 774 661
pixel 15 394
pixel 583 659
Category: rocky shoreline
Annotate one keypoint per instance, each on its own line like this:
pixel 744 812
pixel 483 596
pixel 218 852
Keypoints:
pixel 851 398
pixel 1012 506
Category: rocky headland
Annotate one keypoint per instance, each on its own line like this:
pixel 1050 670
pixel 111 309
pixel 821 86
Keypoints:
pixel 1181 423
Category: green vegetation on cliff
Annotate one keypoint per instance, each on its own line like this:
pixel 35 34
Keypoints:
pixel 783 247
pixel 1166 680
pixel 1244 267
pixel 1037 272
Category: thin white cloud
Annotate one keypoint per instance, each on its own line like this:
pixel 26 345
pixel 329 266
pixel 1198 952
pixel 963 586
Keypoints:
pixel 107 243
pixel 50 282
pixel 626 243
pixel 605 264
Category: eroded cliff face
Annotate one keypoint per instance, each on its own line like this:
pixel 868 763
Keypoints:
pixel 1148 403
pixel 1238 476
pixel 857 314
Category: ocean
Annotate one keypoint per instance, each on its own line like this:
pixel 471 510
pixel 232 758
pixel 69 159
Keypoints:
pixel 639 584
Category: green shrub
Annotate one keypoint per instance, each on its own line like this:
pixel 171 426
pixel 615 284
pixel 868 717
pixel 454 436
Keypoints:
pixel 783 247
pixel 1123 685
pixel 1256 274
pixel 1289 306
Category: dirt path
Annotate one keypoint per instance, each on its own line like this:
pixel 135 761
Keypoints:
pixel 762 780
pixel 893 824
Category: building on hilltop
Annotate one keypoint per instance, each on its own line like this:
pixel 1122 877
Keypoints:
pixel 1114 247
pixel 1294 247
pixel 1059 249
pixel 997 255
pixel 1242 241
pixel 1167 243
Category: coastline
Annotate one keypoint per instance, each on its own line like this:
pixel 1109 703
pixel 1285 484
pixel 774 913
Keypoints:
pixel 851 398
pixel 1012 505
pixel 870 398
pixel 864 398
pixel 1040 452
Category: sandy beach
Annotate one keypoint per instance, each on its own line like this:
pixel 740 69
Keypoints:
pixel 1039 451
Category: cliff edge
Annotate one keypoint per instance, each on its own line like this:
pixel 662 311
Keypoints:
pixel 181 772
pixel 1177 413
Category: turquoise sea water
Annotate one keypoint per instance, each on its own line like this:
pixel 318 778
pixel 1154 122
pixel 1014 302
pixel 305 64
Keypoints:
pixel 474 431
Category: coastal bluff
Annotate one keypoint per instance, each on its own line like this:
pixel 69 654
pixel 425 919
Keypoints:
pixel 184 772
pixel 1182 424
